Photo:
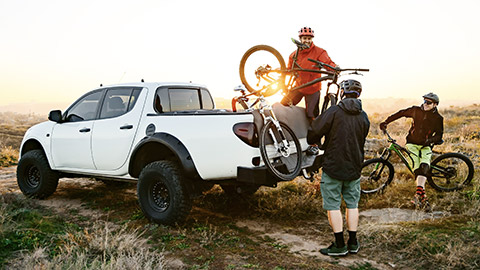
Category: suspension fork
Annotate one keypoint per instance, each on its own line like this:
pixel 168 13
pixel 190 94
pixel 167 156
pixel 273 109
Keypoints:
pixel 285 144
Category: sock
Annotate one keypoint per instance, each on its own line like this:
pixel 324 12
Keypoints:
pixel 420 191
pixel 352 237
pixel 339 242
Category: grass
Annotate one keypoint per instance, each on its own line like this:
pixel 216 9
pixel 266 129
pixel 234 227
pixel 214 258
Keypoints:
pixel 212 238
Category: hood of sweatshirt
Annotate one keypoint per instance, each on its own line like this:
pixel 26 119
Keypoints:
pixel 351 105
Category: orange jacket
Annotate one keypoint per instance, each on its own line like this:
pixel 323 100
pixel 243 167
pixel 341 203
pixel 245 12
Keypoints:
pixel 316 53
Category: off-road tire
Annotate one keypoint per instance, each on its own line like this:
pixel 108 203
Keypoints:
pixel 453 161
pixel 163 193
pixel 35 178
pixel 382 180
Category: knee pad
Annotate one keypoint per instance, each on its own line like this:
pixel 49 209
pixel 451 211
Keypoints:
pixel 422 170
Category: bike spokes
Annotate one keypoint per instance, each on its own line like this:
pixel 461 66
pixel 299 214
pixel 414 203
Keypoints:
pixel 450 171
pixel 262 70
pixel 281 151
pixel 376 174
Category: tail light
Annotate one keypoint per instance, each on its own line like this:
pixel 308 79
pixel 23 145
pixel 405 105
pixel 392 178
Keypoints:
pixel 247 133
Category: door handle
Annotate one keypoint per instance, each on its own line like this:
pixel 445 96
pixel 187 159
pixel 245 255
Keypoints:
pixel 126 127
pixel 84 130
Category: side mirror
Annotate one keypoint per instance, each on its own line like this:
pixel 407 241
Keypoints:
pixel 55 116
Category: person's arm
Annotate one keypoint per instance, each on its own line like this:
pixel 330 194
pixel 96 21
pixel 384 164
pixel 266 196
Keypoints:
pixel 320 127
pixel 408 112
pixel 325 58
pixel 290 60
pixel 438 133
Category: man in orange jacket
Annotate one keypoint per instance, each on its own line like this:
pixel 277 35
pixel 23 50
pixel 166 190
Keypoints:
pixel 312 92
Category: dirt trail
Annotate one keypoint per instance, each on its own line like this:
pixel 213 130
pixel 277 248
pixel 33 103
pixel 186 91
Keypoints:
pixel 303 242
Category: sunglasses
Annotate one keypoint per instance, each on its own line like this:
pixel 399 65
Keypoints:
pixel 428 102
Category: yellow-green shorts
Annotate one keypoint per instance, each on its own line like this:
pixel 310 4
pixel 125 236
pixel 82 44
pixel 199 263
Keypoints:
pixel 423 154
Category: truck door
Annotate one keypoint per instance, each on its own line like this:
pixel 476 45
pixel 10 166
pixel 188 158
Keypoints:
pixel 70 140
pixel 114 131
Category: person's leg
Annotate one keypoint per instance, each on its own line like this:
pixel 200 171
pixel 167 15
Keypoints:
pixel 352 219
pixel 351 194
pixel 331 196
pixel 420 181
pixel 311 105
pixel 292 98
pixel 336 220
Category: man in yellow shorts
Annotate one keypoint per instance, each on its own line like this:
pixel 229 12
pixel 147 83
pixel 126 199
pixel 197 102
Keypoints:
pixel 426 130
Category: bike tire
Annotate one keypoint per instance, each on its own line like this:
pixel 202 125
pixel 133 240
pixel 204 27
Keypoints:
pixel 450 171
pixel 280 65
pixel 284 167
pixel 376 174
pixel 329 101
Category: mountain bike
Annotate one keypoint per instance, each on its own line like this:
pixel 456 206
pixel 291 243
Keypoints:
pixel 448 171
pixel 280 148
pixel 270 78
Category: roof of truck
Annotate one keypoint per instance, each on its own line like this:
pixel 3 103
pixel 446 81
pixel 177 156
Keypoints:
pixel 155 84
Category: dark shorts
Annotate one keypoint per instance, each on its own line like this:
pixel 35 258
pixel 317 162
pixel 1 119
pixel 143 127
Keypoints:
pixel 333 190
pixel 311 102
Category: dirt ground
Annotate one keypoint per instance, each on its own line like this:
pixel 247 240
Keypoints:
pixel 304 241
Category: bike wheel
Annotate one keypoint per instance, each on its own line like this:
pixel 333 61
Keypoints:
pixel 376 174
pixel 266 60
pixel 328 101
pixel 450 171
pixel 281 151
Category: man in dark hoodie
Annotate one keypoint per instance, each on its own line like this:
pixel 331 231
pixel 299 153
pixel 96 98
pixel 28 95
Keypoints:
pixel 426 130
pixel 345 128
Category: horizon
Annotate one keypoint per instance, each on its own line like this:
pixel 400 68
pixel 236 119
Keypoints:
pixel 371 105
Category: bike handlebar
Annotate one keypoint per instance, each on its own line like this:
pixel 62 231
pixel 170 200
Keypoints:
pixel 321 64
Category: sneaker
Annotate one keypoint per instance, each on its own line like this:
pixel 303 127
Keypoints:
pixel 421 203
pixel 333 250
pixel 353 248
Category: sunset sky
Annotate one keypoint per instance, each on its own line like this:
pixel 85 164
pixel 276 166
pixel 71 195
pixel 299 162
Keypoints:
pixel 54 51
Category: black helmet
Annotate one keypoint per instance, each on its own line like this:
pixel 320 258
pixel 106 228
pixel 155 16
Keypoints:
pixel 433 97
pixel 351 86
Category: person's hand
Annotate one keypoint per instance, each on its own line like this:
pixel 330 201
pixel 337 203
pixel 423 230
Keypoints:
pixel 383 126
pixel 428 142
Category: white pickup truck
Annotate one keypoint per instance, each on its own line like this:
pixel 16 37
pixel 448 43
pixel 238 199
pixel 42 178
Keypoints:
pixel 168 137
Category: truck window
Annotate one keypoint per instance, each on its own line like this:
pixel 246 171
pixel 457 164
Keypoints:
pixel 207 102
pixel 118 101
pixel 85 108
pixel 182 99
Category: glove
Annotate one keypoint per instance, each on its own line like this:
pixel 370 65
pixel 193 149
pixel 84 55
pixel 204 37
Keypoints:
pixel 383 126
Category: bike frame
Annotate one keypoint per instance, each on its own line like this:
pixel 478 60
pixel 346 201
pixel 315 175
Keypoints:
pixel 397 149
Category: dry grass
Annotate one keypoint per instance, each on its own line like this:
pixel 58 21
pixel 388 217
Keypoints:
pixel 210 240
pixel 102 246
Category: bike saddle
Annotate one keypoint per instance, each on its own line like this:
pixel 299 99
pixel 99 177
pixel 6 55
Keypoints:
pixel 299 44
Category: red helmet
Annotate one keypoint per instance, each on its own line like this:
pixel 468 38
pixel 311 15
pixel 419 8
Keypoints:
pixel 306 31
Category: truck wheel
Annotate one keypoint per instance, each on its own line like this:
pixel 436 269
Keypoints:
pixel 35 178
pixel 162 193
